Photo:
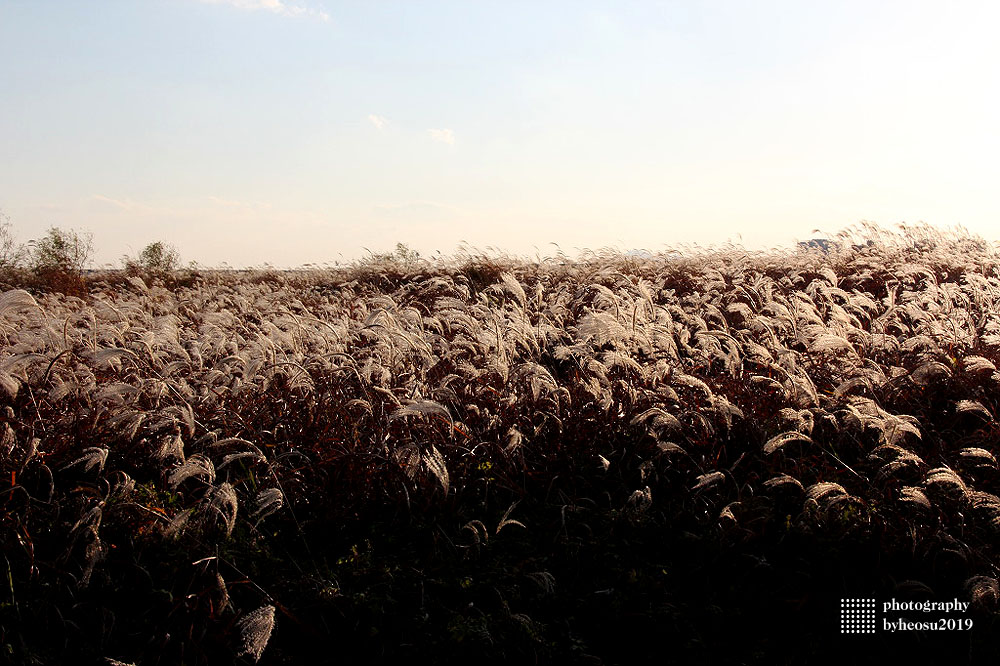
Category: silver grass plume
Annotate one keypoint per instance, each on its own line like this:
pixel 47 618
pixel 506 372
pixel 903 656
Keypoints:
pixel 409 457
pixel 639 502
pixel 930 373
pixel 513 287
pixel 221 600
pixel 984 592
pixel 435 464
pixel 896 461
pixel 973 407
pixel 977 457
pixel 222 502
pixel 601 328
pixel 914 497
pixel 727 517
pixel 255 631
pixel 658 420
pixel 679 379
pixel 127 423
pixel 895 426
pixel 506 520
pixel 514 440
pixel 824 492
pixel 424 408
pixel 7 440
pixel 771 385
pixel 985 507
pixel 832 343
pixel 255 456
pixel 93 456
pixel 177 524
pixel 708 480
pixel 545 580
pixel 196 466
pixel 797 420
pixel 9 384
pixel 978 365
pixel 112 357
pixel 784 483
pixel 944 483
pixel 17 299
pixel 778 442
pixel 920 344
pixel 413 459
pixel 268 501
pixel 171 446
pixel 61 389
pixel 479 531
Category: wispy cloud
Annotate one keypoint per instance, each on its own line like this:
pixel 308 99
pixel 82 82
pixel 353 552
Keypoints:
pixel 279 7
pixel 378 121
pixel 114 203
pixel 242 205
pixel 442 135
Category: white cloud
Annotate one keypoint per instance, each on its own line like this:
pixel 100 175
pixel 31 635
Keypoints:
pixel 378 121
pixel 442 135
pixel 279 7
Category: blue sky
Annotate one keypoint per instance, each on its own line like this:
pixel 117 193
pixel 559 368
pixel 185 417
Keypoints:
pixel 302 131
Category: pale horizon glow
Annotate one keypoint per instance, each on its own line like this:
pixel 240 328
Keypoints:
pixel 292 132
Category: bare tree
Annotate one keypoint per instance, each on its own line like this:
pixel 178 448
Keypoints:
pixel 12 254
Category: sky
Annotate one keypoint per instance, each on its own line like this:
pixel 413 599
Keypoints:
pixel 293 132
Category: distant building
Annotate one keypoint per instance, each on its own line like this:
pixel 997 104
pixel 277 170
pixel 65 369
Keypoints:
pixel 824 245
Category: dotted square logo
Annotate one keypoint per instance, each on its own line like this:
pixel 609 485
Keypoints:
pixel 857 616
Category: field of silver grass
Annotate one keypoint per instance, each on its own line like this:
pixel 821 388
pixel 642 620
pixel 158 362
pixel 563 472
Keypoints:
pixel 191 473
